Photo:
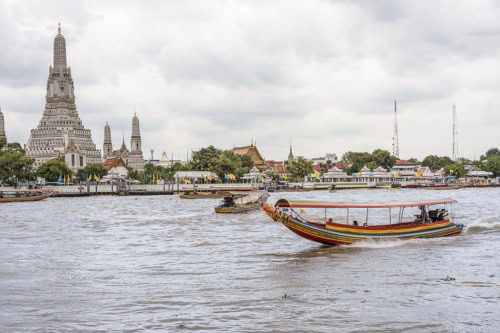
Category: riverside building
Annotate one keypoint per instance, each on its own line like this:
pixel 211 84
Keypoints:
pixel 60 134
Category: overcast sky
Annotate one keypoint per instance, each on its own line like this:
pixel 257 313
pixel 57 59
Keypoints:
pixel 325 73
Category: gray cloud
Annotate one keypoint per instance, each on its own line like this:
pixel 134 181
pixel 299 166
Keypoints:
pixel 203 72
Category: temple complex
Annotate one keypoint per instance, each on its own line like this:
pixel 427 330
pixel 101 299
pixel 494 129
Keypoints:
pixel 2 127
pixel 60 133
pixel 133 158
pixel 254 154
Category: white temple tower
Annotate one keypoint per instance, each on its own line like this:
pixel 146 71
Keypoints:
pixel 60 133
pixel 107 149
pixel 136 160
pixel 2 127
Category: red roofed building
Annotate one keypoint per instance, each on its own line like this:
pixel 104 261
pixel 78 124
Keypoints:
pixel 278 167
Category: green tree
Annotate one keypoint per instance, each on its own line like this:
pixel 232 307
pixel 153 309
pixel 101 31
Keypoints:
pixel 383 158
pixel 300 168
pixel 3 142
pixel 492 164
pixel 490 153
pixel 96 169
pixel 52 169
pixel 371 165
pixel 15 167
pixel 204 159
pixel 455 169
pixel 435 162
pixel 227 162
pixel 14 146
pixel 414 160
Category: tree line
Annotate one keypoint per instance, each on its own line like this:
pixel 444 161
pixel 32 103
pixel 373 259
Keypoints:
pixel 16 167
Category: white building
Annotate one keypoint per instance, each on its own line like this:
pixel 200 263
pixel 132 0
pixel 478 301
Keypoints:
pixel 328 157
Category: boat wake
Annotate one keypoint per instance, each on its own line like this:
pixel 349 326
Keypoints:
pixel 484 225
pixel 379 244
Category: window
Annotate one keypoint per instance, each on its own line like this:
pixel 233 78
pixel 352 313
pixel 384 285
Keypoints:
pixel 81 161
pixel 72 159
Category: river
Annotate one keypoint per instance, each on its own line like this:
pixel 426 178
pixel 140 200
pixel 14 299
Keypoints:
pixel 160 263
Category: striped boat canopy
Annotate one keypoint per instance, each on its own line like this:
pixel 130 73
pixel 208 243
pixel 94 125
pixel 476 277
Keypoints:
pixel 323 204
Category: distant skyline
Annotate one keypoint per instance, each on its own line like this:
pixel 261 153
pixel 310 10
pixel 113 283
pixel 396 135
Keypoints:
pixel 325 73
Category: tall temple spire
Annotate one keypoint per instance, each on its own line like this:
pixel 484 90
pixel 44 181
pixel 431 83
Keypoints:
pixel 2 126
pixel 136 160
pixel 290 155
pixel 59 50
pixel 107 149
pixel 60 124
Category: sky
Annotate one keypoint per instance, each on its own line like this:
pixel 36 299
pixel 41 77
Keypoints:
pixel 324 74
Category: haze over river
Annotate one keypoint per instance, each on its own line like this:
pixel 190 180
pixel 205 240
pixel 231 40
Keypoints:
pixel 149 263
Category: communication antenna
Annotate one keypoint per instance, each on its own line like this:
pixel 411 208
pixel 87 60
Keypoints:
pixel 395 137
pixel 455 143
pixel 152 153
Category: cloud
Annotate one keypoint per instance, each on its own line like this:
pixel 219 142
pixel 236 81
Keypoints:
pixel 325 73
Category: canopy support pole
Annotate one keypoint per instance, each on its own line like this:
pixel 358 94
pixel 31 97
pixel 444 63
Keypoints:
pixel 366 216
pixel 390 216
pixel 347 215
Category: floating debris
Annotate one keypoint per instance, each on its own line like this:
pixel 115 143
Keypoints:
pixel 367 291
pixel 448 278
pixel 284 296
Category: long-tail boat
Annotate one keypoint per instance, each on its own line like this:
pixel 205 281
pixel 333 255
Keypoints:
pixel 202 195
pixel 20 195
pixel 427 224
pixel 242 203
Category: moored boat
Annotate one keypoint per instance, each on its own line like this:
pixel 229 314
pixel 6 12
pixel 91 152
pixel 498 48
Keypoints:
pixel 202 195
pixel 21 196
pixel 428 224
pixel 237 203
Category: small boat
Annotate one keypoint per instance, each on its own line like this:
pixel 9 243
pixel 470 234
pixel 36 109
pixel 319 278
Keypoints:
pixel 202 195
pixel 242 203
pixel 428 224
pixel 20 196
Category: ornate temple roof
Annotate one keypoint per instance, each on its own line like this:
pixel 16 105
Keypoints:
pixel 254 153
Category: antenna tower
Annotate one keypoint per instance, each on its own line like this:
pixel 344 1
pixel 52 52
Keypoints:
pixel 395 137
pixel 455 143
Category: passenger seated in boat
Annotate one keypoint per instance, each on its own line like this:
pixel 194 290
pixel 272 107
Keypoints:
pixel 354 222
pixel 365 224
pixel 330 220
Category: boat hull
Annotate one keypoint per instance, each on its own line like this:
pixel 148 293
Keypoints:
pixel 24 199
pixel 238 209
pixel 338 234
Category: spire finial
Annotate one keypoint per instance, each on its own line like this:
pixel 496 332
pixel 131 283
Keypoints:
pixel 59 28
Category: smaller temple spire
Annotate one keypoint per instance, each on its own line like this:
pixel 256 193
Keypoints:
pixel 2 126
pixel 59 28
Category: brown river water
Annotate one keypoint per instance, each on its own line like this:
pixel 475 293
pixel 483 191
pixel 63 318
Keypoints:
pixel 159 263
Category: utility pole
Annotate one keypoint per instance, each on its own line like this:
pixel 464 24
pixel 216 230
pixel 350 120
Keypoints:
pixel 455 143
pixel 395 137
